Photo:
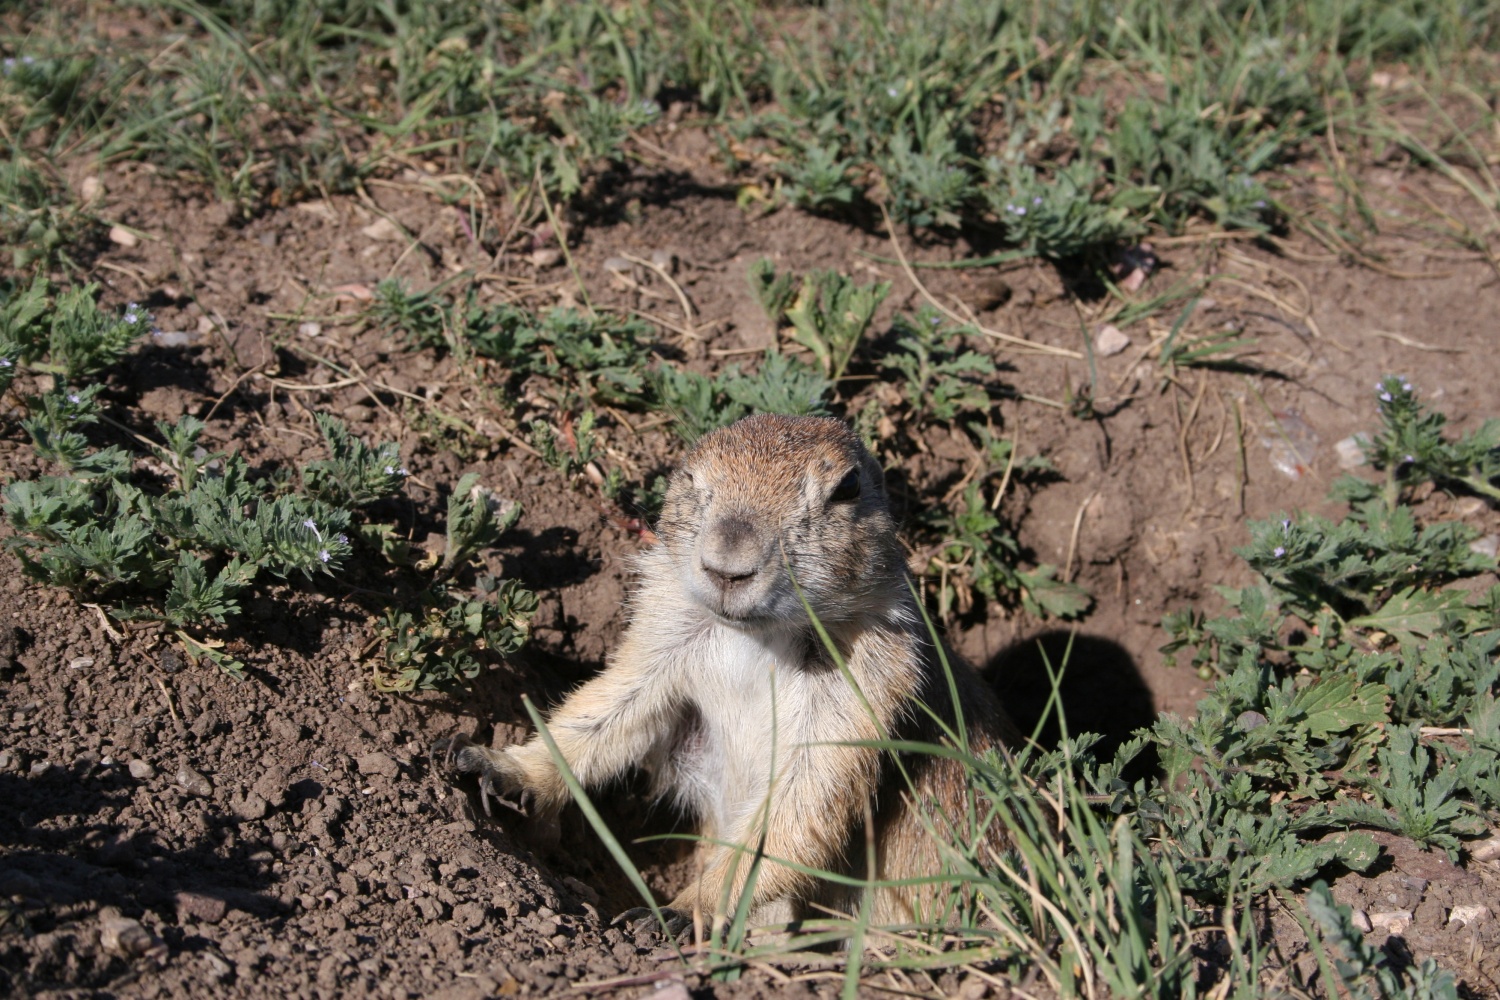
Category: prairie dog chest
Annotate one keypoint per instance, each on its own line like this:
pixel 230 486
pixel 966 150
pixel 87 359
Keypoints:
pixel 751 693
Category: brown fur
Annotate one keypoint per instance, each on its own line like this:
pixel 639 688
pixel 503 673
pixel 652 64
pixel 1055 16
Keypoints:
pixel 719 644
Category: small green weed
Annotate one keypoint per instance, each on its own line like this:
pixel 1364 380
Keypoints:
pixel 187 552
pixel 828 315
pixel 942 381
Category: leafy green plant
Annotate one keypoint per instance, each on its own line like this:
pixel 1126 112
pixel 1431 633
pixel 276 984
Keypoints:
pixel 699 404
pixel 818 178
pixel 422 317
pixel 1411 448
pixel 930 185
pixel 775 292
pixel 70 337
pixel 354 474
pixel 1058 217
pixel 829 314
pixel 447 643
pixel 941 380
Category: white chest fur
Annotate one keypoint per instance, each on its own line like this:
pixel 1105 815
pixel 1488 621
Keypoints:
pixel 752 696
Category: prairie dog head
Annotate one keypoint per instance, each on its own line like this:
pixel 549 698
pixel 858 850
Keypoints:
pixel 770 498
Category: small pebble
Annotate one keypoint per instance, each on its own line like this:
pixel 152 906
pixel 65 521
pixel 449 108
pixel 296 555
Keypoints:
pixel 194 783
pixel 1489 546
pixel 121 236
pixel 1391 921
pixel 140 770
pixel 1361 920
pixel 546 257
pixel 1110 340
pixel 200 907
pixel 79 662
pixel 172 338
pixel 126 937
pixel 382 229
pixel 377 763
pixel 310 329
pixel 618 265
pixel 665 259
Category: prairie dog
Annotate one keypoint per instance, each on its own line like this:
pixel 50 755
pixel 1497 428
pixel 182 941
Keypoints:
pixel 721 686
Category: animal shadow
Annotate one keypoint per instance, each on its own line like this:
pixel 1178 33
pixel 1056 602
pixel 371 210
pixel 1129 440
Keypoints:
pixel 1099 690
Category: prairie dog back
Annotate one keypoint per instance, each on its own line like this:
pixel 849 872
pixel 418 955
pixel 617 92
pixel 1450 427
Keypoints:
pixel 723 691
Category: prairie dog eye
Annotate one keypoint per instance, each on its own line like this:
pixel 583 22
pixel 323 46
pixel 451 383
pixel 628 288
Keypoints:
pixel 847 489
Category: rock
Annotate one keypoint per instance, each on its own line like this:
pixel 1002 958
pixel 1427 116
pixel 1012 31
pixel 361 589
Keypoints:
pixel 200 907
pixel 1470 914
pixel 310 329
pixel 172 338
pixel 469 916
pixel 377 763
pixel 664 259
pixel 1361 920
pixel 272 786
pixel 91 190
pixel 358 413
pixel 1488 850
pixel 251 808
pixel 121 236
pixel 1351 454
pixel 1391 921
pixel 194 783
pixel 618 265
pixel 1110 340
pixel 546 257
pixel 382 229
pixel 127 938
pixel 80 662
pixel 1488 546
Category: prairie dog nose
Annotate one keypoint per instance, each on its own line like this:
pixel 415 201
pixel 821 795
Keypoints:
pixel 729 551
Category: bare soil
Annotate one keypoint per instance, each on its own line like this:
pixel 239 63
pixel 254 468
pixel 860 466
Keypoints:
pixel 288 835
